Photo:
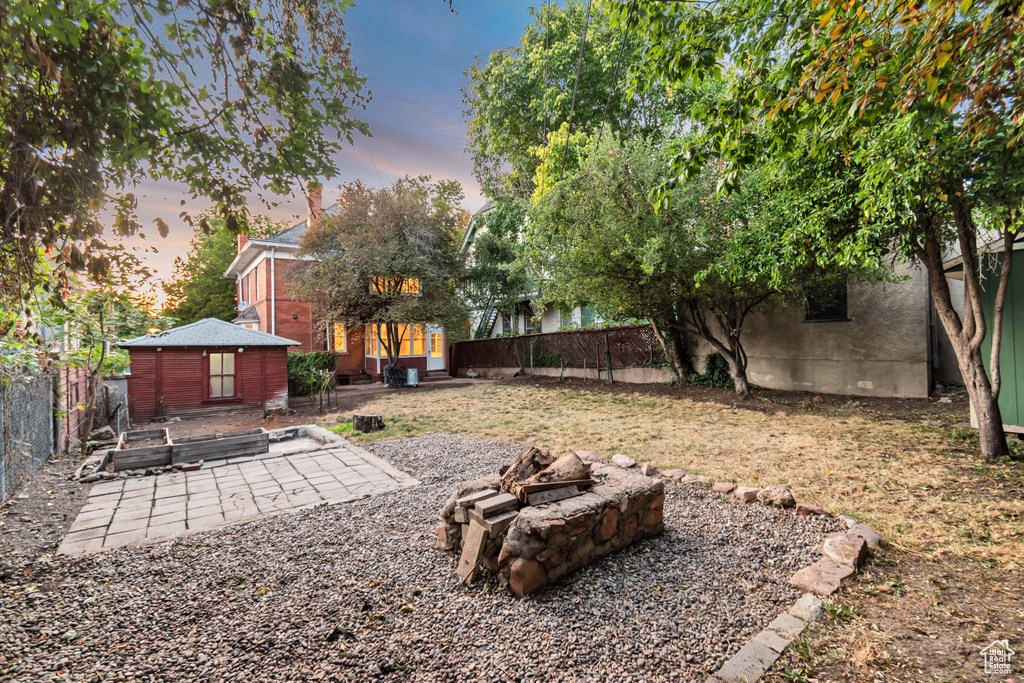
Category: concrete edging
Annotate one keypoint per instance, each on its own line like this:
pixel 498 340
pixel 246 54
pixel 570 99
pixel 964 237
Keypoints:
pixel 325 436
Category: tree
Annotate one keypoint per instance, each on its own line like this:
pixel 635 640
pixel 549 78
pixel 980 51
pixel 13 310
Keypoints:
pixel 198 289
pixel 225 97
pixel 389 258
pixel 700 266
pixel 95 318
pixel 922 98
pixel 515 99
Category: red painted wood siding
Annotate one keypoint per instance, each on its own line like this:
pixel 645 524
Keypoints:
pixel 172 382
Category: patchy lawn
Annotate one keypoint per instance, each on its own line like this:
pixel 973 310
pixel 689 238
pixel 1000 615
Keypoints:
pixel 949 582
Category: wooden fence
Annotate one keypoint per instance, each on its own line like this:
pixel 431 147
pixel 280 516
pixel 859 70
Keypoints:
pixel 621 347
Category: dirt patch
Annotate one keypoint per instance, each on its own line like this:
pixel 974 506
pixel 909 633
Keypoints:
pixel 34 519
pixel 906 619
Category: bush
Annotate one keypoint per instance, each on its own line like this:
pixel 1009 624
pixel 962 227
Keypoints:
pixel 716 372
pixel 304 368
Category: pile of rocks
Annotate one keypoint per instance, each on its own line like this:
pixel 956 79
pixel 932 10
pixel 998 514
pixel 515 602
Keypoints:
pixel 558 530
pixel 100 466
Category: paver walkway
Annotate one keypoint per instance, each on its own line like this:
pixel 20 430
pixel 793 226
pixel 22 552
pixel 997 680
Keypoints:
pixel 295 474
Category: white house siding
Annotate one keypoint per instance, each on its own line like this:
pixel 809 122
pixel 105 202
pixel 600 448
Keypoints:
pixel 882 350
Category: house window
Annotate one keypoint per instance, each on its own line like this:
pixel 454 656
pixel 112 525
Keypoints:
pixel 506 323
pixel 827 304
pixel 256 284
pixel 565 318
pixel 436 345
pixel 382 285
pixel 222 375
pixel 586 317
pixel 531 323
pixel 370 340
pixel 340 339
pixel 419 340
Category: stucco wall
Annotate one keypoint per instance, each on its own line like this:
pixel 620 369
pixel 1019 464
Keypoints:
pixel 882 350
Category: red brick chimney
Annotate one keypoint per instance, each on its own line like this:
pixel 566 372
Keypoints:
pixel 314 207
pixel 242 239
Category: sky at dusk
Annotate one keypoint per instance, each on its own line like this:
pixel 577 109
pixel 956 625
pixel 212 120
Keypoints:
pixel 414 54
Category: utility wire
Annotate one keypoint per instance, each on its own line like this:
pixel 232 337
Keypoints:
pixel 575 86
pixel 367 145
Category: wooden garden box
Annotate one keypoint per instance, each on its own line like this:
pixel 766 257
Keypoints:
pixel 244 442
pixel 156 453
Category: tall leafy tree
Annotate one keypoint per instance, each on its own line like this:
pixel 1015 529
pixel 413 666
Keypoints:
pixel 198 288
pixel 517 96
pixel 225 97
pixel 700 266
pixel 387 259
pixel 922 98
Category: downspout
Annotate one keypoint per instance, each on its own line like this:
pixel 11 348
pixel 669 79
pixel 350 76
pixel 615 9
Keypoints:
pixel 273 293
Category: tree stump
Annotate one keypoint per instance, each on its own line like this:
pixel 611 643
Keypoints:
pixel 367 423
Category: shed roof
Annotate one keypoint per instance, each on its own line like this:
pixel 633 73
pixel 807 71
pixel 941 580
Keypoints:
pixel 209 332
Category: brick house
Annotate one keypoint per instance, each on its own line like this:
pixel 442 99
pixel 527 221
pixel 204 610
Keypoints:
pixel 261 270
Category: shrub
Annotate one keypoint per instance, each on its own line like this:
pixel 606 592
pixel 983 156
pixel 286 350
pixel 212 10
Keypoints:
pixel 304 370
pixel 716 372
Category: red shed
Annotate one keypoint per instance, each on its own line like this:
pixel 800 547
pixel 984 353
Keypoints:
pixel 206 367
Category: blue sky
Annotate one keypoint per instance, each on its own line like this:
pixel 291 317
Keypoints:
pixel 413 54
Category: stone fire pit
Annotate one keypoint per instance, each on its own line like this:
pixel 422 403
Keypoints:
pixel 529 546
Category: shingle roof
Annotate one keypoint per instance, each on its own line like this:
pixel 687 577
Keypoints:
pixel 293 234
pixel 209 332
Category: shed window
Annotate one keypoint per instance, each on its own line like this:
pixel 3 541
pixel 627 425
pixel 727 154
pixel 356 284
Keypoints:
pixel 828 304
pixel 222 375
pixel 340 339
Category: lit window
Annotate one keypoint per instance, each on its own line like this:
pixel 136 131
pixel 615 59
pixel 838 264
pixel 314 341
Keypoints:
pixel 405 337
pixel 381 285
pixel 370 340
pixel 419 340
pixel 436 345
pixel 222 375
pixel 340 338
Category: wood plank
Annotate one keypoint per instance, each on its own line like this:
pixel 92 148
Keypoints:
pixel 126 460
pixel 494 505
pixel 552 496
pixel 148 450
pixel 494 525
pixel 474 545
pixel 578 483
pixel 473 498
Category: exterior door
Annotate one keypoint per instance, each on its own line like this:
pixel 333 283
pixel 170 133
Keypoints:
pixel 435 348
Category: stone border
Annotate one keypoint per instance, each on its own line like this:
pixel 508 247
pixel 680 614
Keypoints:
pixel 842 555
pixel 762 651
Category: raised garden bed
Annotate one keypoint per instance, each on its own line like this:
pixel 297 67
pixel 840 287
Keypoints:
pixel 220 446
pixel 142 449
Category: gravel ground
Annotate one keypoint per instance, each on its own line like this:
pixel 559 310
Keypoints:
pixel 353 592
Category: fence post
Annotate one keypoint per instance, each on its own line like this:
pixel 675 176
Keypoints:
pixel 608 358
pixel 495 345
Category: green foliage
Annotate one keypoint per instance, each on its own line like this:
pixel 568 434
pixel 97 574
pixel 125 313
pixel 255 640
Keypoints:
pixel 224 98
pixel 198 289
pixel 305 370
pixel 716 372
pixel 519 95
pixel 379 243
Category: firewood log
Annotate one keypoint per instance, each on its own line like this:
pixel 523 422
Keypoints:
pixel 528 463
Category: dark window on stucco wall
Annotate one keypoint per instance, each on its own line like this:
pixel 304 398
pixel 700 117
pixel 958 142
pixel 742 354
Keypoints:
pixel 827 304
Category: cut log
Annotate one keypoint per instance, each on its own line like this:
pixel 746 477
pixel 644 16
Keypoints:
pixel 528 463
pixel 567 468
pixel 367 423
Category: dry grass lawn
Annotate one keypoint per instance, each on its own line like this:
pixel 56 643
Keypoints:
pixel 950 580
pixel 922 487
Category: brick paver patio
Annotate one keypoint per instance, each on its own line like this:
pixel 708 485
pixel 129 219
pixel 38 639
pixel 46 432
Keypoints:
pixel 294 474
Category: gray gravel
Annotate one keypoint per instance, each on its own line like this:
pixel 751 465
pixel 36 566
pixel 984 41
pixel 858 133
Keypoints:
pixel 354 592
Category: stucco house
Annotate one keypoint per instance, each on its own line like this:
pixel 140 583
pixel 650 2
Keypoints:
pixel 870 340
pixel 261 270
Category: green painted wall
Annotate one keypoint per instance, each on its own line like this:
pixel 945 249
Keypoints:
pixel 1011 354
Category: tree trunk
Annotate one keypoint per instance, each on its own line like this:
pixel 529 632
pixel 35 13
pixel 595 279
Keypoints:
pixel 966 335
pixel 739 376
pixel 528 463
pixel 673 346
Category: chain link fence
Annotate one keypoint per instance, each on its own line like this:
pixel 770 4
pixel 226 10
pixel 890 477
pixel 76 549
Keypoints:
pixel 624 347
pixel 27 436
